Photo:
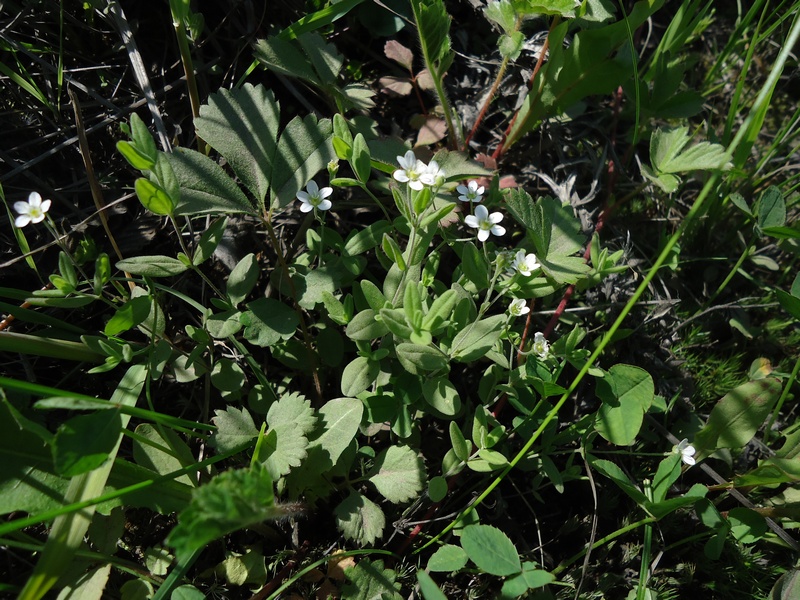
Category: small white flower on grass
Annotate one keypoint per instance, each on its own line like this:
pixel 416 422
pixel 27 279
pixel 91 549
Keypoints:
pixel 471 192
pixel 313 197
pixel 686 450
pixel 414 172
pixel 32 211
pixel 518 307
pixel 485 223
pixel 525 264
pixel 540 346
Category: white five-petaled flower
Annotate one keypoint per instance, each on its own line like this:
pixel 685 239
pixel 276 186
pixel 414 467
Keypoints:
pixel 314 197
pixel 414 172
pixel 471 192
pixel 540 346
pixel 525 264
pixel 32 211
pixel 686 450
pixel 485 223
pixel 433 173
pixel 518 307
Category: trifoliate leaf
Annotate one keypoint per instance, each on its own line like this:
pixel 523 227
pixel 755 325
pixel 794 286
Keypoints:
pixel 235 427
pixel 370 581
pixel 360 519
pixel 398 473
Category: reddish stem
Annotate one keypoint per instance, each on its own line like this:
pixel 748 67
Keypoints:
pixel 501 146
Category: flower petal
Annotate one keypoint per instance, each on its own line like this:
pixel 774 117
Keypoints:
pixel 472 221
pixel 46 205
pixel 22 207
pixel 22 220
pixel 483 235
pixel 34 198
pixel 495 217
pixel 482 213
pixel 306 207
pixel 303 196
pixel 325 192
pixel 324 205
pixel 498 230
pixel 400 175
pixel 312 187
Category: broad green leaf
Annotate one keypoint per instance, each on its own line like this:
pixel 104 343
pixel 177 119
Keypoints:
pixel 129 315
pixel 477 339
pixel 28 481
pixel 448 559
pixel 235 428
pixel 360 519
pixel 441 309
pixel 136 158
pixel 771 208
pixel 459 166
pixel 627 393
pixel 205 186
pixel 491 550
pixel 304 149
pixel 461 447
pixel 510 45
pixel 563 8
pixel 361 162
pixel 369 580
pixel 358 375
pixel 224 324
pixel 366 239
pixel 668 152
pixel 284 447
pixel 85 442
pixel 474 266
pixel 747 526
pixel 340 419
pixel 230 501
pixel 398 473
pixel 287 58
pixel 142 138
pixel 242 279
pixel 442 396
pixel 292 408
pixel 736 418
pixel 503 14
pixel 419 359
pixel 242 125
pixel 770 472
pixel 153 197
pixel 267 321
pixel 364 327
pixel 228 377
pixel 433 26
pixel 162 451
pixel 152 266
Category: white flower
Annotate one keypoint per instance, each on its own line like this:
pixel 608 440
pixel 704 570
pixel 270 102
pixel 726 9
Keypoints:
pixel 686 450
pixel 470 192
pixel 414 172
pixel 525 263
pixel 434 175
pixel 314 197
pixel 518 307
pixel 485 223
pixel 32 211
pixel 540 346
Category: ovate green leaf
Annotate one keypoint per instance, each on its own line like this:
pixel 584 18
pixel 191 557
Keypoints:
pixel 398 473
pixel 360 519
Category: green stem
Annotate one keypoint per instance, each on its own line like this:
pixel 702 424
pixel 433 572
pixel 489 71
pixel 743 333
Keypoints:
pixel 747 252
pixel 785 394
pixel 191 82
pixel 602 541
